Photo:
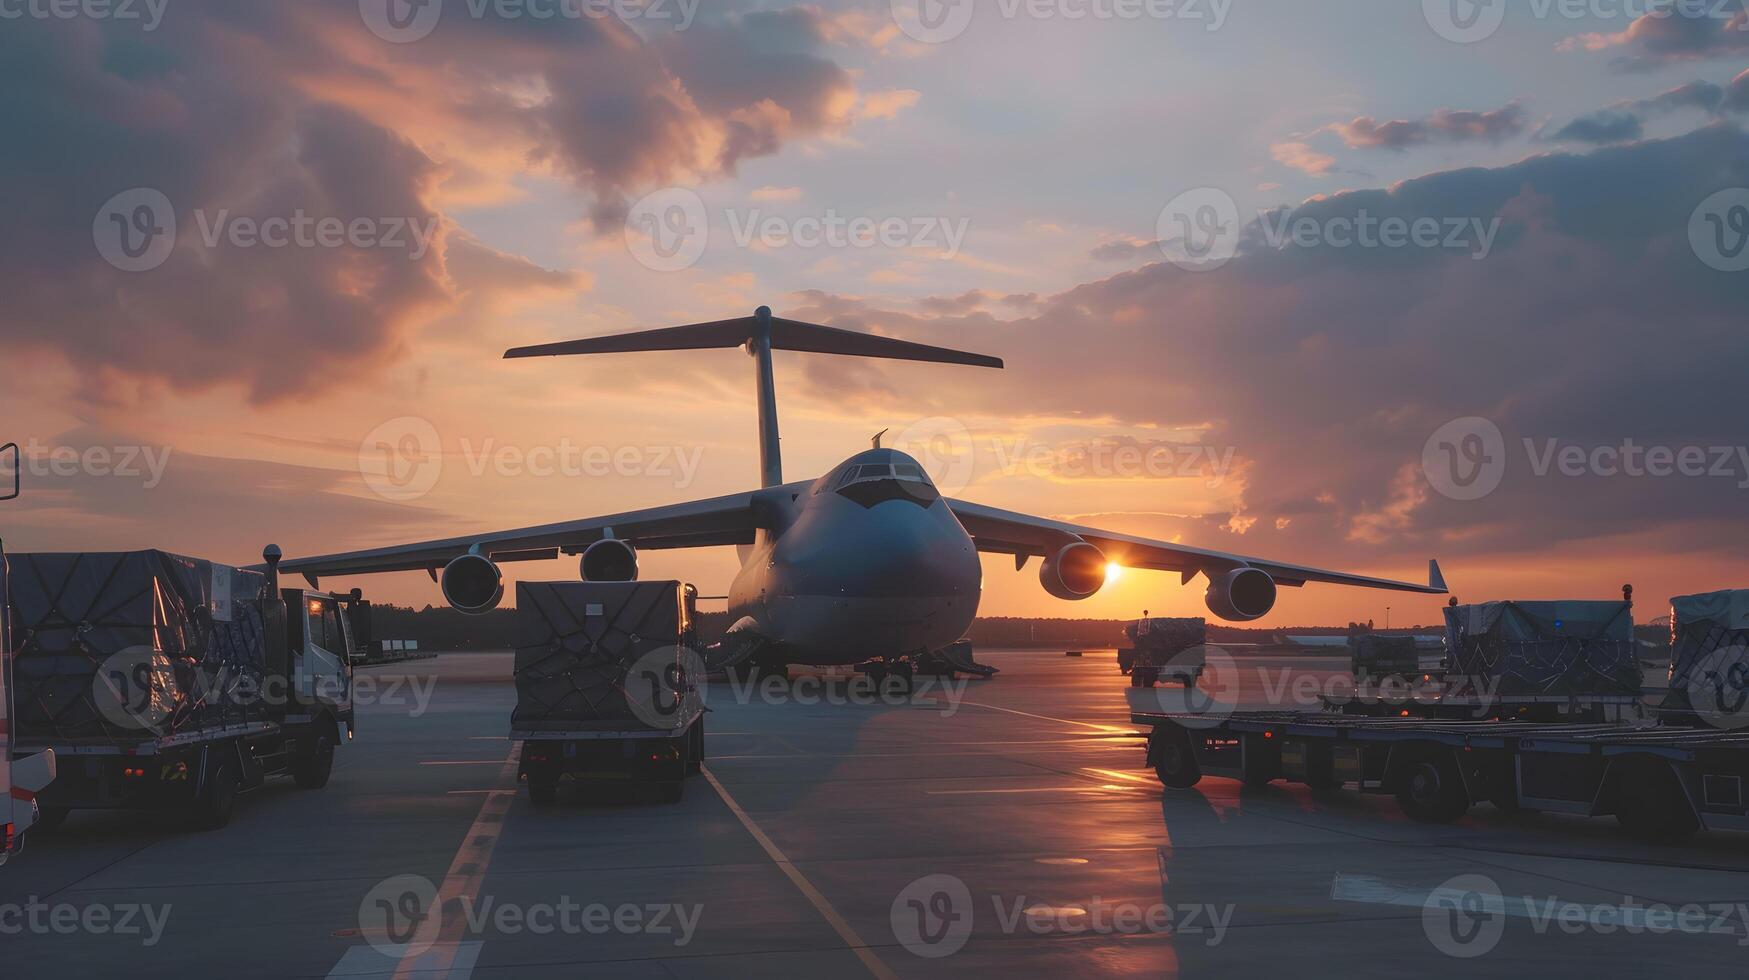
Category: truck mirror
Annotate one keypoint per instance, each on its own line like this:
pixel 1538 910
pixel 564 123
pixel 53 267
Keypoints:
pixel 11 450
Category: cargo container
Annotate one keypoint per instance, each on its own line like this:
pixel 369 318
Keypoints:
pixel 607 686
pixel 172 683
pixel 1162 648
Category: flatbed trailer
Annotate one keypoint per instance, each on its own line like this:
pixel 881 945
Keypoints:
pixel 1660 782
pixel 1615 708
pixel 657 759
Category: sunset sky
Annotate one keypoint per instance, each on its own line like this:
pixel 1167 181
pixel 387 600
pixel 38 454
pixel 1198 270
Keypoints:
pixel 1585 305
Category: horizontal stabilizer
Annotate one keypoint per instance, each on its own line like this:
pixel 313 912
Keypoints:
pixel 785 335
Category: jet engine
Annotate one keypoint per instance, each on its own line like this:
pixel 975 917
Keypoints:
pixel 472 584
pixel 1240 595
pixel 1075 572
pixel 610 560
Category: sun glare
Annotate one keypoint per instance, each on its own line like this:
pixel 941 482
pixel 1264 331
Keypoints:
pixel 1113 572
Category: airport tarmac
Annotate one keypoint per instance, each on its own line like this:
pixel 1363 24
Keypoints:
pixel 997 827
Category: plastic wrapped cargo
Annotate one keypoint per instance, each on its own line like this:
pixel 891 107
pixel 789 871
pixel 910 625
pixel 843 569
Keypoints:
pixel 1167 637
pixel 1567 648
pixel 576 642
pixel 1709 657
pixel 124 646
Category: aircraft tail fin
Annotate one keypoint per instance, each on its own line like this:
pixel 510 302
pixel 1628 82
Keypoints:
pixel 761 334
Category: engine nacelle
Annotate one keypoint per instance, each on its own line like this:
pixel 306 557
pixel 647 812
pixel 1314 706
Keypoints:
pixel 473 584
pixel 1241 595
pixel 1075 572
pixel 610 560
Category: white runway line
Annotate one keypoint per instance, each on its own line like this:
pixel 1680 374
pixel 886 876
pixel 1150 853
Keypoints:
pixel 806 887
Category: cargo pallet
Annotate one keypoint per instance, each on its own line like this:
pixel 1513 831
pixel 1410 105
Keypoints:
pixel 1660 782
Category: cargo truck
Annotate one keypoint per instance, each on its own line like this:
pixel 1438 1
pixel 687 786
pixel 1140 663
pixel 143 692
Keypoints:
pixel 608 687
pixel 1681 770
pixel 163 682
pixel 22 778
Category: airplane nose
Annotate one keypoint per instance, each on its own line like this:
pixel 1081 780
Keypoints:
pixel 894 549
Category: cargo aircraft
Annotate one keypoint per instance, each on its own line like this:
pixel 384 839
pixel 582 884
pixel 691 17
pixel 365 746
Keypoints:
pixel 866 564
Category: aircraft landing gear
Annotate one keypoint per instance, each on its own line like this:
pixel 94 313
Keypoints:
pixel 901 672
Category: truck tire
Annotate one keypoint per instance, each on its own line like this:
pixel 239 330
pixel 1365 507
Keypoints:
pixel 1651 804
pixel 310 770
pixel 695 749
pixel 543 790
pixel 1431 790
pixel 1174 758
pixel 218 798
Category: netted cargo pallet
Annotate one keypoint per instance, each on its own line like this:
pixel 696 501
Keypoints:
pixel 114 647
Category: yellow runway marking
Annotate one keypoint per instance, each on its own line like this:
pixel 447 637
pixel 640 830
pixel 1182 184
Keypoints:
pixel 466 874
pixel 806 887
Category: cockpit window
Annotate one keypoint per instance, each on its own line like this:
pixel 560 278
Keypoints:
pixel 907 471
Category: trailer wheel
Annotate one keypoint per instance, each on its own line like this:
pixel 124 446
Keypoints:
pixel 311 769
pixel 543 788
pixel 1656 808
pixel 1174 759
pixel 218 798
pixel 1431 790
pixel 50 818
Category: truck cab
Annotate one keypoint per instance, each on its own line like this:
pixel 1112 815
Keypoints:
pixel 321 648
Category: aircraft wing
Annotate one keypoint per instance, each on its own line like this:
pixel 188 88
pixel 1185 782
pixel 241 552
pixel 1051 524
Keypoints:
pixel 697 524
pixel 1021 535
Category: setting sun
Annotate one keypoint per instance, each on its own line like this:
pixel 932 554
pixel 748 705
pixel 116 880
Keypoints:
pixel 1113 572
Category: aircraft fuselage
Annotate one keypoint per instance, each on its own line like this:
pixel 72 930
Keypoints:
pixel 858 567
